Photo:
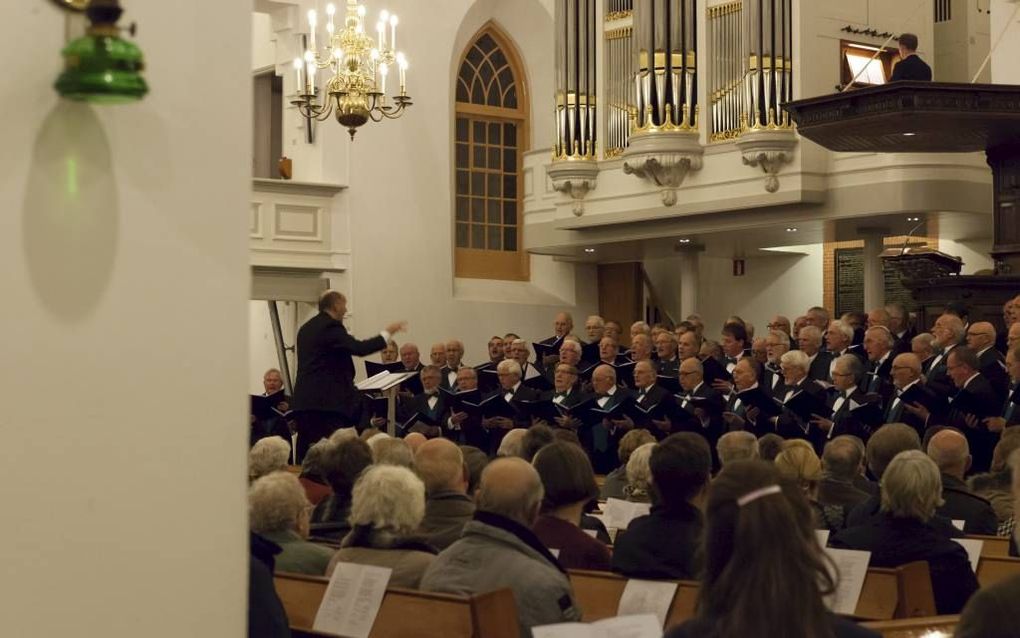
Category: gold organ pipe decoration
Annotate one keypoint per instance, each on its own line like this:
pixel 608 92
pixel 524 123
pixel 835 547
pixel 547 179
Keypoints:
pixel 576 114
pixel 666 84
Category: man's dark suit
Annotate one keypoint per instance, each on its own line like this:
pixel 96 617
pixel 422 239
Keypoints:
pixel 791 426
pixel 652 396
pixel 911 68
pixel 605 436
pixel 772 379
pixel 938 378
pixel 819 370
pixel 977 399
pixel 324 394
pixel 419 404
pixel 1011 406
pixel 963 505
pixel 895 411
pixel 993 367
pixel 712 404
pixel 523 393
pixel 860 421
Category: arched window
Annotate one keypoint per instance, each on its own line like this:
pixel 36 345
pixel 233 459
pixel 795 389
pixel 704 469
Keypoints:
pixel 490 134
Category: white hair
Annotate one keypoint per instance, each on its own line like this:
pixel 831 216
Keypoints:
pixel 391 451
pixel 796 359
pixel 845 328
pixel 343 434
pixel 388 498
pixel 639 471
pixel 275 503
pixel 737 445
pixel 512 443
pixel 597 320
pixel 509 366
pixel 267 455
pixel 885 334
pixel 911 486
pixel 376 438
pixel 574 345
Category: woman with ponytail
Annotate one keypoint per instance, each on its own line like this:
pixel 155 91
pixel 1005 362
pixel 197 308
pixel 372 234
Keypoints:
pixel 765 574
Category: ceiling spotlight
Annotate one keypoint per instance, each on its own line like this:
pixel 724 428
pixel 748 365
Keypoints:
pixel 909 134
pixel 913 219
pixel 589 250
pixel 791 229
pixel 684 241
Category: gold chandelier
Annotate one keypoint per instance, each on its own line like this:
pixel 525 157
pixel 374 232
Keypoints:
pixel 359 66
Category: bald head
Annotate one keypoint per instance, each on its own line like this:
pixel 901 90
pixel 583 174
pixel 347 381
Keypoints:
pixel 440 464
pixel 510 487
pixel 951 453
pixel 906 368
pixel 415 440
pixel 512 444
pixel 980 335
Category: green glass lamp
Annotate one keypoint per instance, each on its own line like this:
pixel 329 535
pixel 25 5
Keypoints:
pixel 102 67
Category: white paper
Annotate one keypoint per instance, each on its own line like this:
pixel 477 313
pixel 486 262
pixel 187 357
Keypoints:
pixel 851 569
pixel 823 537
pixel 641 626
pixel 555 553
pixel 618 514
pixel 973 547
pixel 591 532
pixel 384 380
pixel 352 600
pixel 959 524
pixel 647 597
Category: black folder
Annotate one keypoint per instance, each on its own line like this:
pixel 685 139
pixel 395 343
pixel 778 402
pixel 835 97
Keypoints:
pixel 806 406
pixel 758 398
pixel 264 407
pixel 672 384
pixel 372 368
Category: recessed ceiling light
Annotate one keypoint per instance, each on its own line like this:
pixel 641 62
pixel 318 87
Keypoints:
pixel 685 241
pixel 791 229
pixel 913 219
pixel 589 250
pixel 909 134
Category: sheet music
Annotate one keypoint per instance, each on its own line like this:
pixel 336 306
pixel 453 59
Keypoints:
pixel 641 626
pixel 823 536
pixel 367 383
pixel 647 597
pixel 555 553
pixel 851 569
pixel 352 600
pixel 384 380
pixel 973 547
pixel 591 532
pixel 958 524
pixel 618 513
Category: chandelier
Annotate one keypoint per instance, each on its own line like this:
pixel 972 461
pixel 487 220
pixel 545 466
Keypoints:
pixel 358 66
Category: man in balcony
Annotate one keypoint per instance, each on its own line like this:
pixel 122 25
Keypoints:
pixel 910 66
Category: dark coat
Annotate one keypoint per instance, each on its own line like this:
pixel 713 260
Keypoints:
pixel 991 613
pixel 993 368
pixel 977 399
pixel 898 541
pixel 643 551
pixel 837 493
pixel 937 376
pixel 819 370
pixel 917 393
pixel 325 374
pixel 446 513
pixel 577 550
pixel 858 421
pixel 911 68
pixel 961 504
pixel 266 615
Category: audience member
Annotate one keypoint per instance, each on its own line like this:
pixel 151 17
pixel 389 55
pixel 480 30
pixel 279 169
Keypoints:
pixel 615 483
pixel 569 485
pixel 387 507
pixel 440 464
pixel 902 533
pixel 278 511
pixel 639 474
pixel 391 451
pixel 765 575
pixel 343 464
pixel 737 446
pixel 995 485
pixel 513 443
pixel 266 615
pixel 268 455
pixel 841 464
pixel 680 466
pixel 498 549
pixel 951 454
pixel 475 460
pixel 313 476
pixel 415 440
pixel 535 438
pixel 888 441
pixel 769 446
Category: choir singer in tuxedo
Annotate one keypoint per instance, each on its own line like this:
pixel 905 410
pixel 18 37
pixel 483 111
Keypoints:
pixel 324 394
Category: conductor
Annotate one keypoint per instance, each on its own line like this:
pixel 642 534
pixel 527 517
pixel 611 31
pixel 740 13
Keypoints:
pixel 324 394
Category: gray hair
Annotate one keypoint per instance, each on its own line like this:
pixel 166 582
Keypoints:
pixel 599 321
pixel 391 451
pixel 885 334
pixel 267 455
pixel 388 498
pixel 312 464
pixel 275 503
pixel 811 332
pixel 911 486
pixel 853 366
pixel 509 366
pixel 796 359
pixel 845 328
pixel 639 471
pixel 949 449
pixel 736 446
pixel 343 434
pixel 512 443
pixel 574 345
pixel 842 456
pixel 926 338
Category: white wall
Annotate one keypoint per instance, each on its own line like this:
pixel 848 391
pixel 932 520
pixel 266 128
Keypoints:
pixel 974 253
pixel 1005 70
pixel 125 277
pixel 400 179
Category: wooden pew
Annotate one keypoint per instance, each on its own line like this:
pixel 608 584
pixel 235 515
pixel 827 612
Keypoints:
pixel 914 627
pixel 407 612
pixel 993 569
pixel 992 545
pixel 903 592
pixel 598 594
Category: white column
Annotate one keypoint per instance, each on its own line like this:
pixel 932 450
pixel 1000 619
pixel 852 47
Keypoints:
pixel 125 279
pixel 688 283
pixel 874 282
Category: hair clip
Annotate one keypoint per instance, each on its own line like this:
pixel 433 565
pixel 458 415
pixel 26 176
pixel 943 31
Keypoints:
pixel 758 493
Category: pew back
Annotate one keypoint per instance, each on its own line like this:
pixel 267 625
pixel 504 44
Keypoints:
pixel 992 545
pixel 598 594
pixel 914 627
pixel 994 569
pixel 407 612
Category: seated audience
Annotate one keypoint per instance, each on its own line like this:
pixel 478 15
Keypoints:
pixel 535 438
pixel 799 463
pixel 911 491
pixel 278 511
pixel 268 455
pixel 616 481
pixel 569 485
pixel 440 464
pixel 343 463
pixel 989 613
pixel 498 549
pixel 513 443
pixel 391 451
pixel 769 446
pixel 841 464
pixel 887 441
pixel 475 460
pixel 746 591
pixel 415 440
pixel 995 485
pixel 313 477
pixel 951 454
pixel 680 468
pixel 639 474
pixel 387 506
pixel 266 616
pixel 737 446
